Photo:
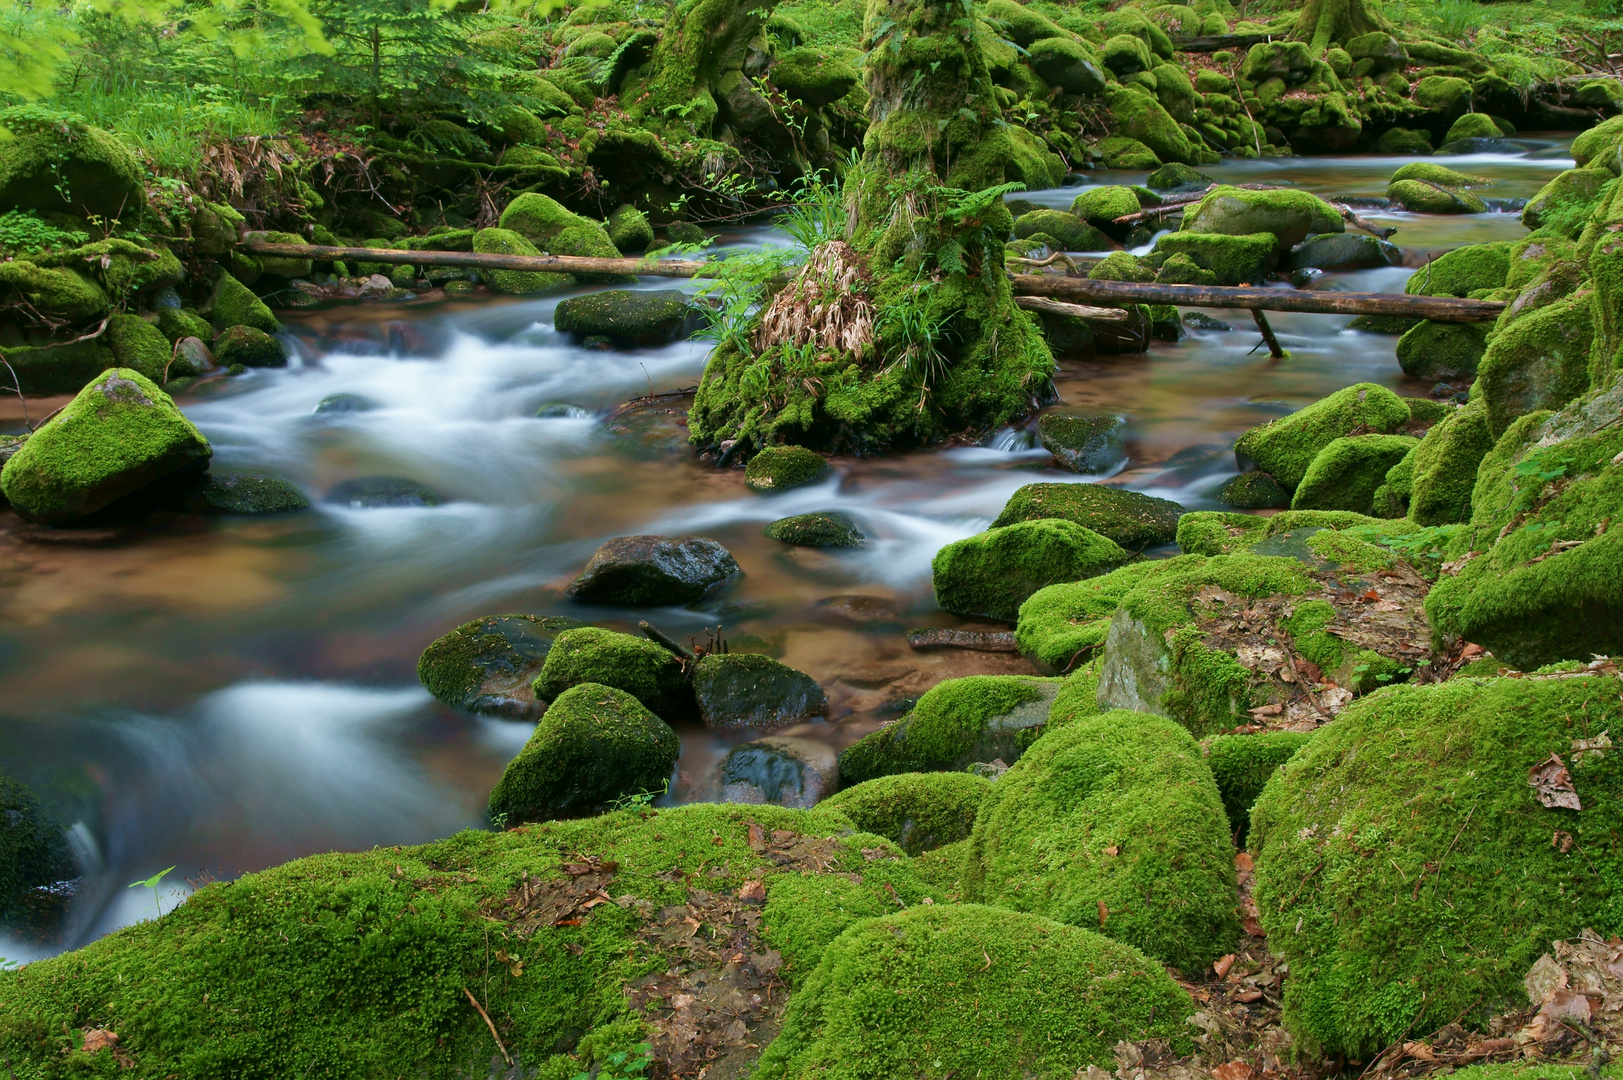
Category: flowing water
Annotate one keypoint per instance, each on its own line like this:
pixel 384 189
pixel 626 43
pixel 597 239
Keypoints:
pixel 226 695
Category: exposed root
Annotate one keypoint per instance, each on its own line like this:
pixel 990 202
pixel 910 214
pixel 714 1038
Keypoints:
pixel 826 305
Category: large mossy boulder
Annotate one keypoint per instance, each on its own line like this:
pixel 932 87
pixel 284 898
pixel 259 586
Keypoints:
pixel 515 282
pixel 1475 792
pixel 1284 448
pixel 234 304
pixel 918 812
pixel 588 654
pixel 1231 259
pixel 423 922
pixel 816 77
pixel 1129 518
pixel 644 571
pixel 489 664
pixel 1347 472
pixel 595 746
pixel 1136 114
pixel 957 723
pixel 630 318
pixel 992 573
pixel 1442 352
pixel 745 690
pixel 1445 466
pixel 1533 577
pixel 60 163
pixel 1064 625
pixel 1290 215
pixel 119 434
pixel 1462 271
pixel 1537 359
pixel 1112 822
pixel 1043 999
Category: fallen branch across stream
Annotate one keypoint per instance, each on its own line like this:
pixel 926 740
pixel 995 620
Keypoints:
pixel 1074 290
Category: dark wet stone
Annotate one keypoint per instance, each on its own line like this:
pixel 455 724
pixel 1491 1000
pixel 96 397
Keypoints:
pixel 828 529
pixel 374 492
pixel 1343 251
pixel 345 403
pixel 489 665
pixel 651 571
pixel 1254 491
pixel 560 410
pixel 626 317
pixel 1199 320
pixel 246 493
pixel 744 690
pixel 783 771
pixel 1084 444
pixel 191 359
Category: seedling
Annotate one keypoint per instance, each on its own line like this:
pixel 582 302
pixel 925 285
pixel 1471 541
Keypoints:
pixel 152 883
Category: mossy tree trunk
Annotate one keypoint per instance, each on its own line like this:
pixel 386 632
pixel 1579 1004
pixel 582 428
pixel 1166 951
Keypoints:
pixel 1326 22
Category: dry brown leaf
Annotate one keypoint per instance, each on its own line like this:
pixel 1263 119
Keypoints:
pixel 1552 784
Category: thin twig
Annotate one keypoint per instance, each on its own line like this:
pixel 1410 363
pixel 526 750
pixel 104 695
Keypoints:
pixel 18 383
pixel 505 1055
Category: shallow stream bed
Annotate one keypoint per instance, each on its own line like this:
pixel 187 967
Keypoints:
pixel 224 695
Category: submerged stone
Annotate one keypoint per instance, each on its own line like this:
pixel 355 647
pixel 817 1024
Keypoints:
pixel 627 317
pixel 745 690
pixel 825 529
pixel 1084 444
pixel 782 771
pixel 777 468
pixel 1343 251
pixel 247 493
pixel 345 403
pixel 649 571
pixel 381 492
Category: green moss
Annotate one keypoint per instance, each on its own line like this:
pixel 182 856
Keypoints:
pixel 1400 140
pixel 500 648
pixel 1022 24
pixel 1103 205
pixel 233 304
pixel 1065 63
pixel 249 347
pixel 647 671
pixel 1242 764
pixel 1219 532
pixel 418 922
pixel 1462 271
pixel 1140 116
pixel 1044 999
pixel 120 433
pixel 1566 202
pixel 1066 623
pixel 942 868
pixel 139 345
pixel 56 291
pixel 1413 796
pixel 918 811
pixel 777 468
pixel 515 282
pixel 828 529
pixel 1445 466
pixel 991 574
pixel 176 323
pixel 58 162
pixel 247 493
pixel 629 230
pixel 595 745
pixel 628 317
pixel 1290 215
pixel 1112 820
pixel 1072 232
pixel 816 77
pixel 1129 518
pixel 587 239
pixel 1125 54
pixel 1442 351
pixel 1234 260
pixel 955 723
pixel 1472 126
pixel 1441 175
pixel 1121 266
pixel 1443 93
pixel 1598 146
pixel 1423 198
pixel 1254 490
pixel 1285 448
pixel 1120 152
pixel 1391 499
pixel 1537 361
pixel 1078 696
pixel 1345 474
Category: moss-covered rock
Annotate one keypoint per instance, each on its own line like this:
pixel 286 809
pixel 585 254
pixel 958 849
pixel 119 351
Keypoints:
pixel 1443 94
pixel 1290 215
pixel 1064 625
pixel 515 282
pixel 117 435
pixel 1422 793
pixel 823 529
pixel 58 369
pixel 630 230
pixel 594 746
pixel 1242 764
pixel 1462 271
pixel 630 318
pixel 1114 822
pixel 1067 64
pixel 1047 1000
pixel 246 493
pixel 956 723
pixel 1284 448
pixel 1175 176
pixel 917 811
pixel 1400 140
pixel 588 654
pixel 1347 472
pixel 1565 203
pixel 233 304
pixel 1084 443
pixel 991 574
pixel 489 665
pixel 1072 232
pixel 643 571
pixel 1445 466
pixel 1343 251
pixel 1125 54
pixel 746 690
pixel 286 266
pixel 816 77
pixel 55 290
pixel 1442 352
pixel 1101 206
pixel 138 345
pixel 1121 266
pixel 778 468
pixel 1538 361
pixel 61 163
pixel 1233 260
pixel 1421 197
pixel 1120 152
pixel 1254 490
pixel 1133 520
pixel 176 323
pixel 248 346
pixel 1139 116
pixel 1598 146
pixel 1472 126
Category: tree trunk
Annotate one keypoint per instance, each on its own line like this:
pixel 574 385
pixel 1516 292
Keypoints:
pixel 1335 22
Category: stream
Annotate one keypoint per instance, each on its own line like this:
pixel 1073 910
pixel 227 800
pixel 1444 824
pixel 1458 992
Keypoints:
pixel 225 695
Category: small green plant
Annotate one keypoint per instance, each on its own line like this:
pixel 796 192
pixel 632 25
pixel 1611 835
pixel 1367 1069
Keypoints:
pixel 1456 19
pixel 24 231
pixel 640 801
pixel 152 883
pixel 622 1064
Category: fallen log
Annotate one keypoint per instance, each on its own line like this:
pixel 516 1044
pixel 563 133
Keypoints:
pixel 1067 289
pixel 1251 298
pixel 1081 311
pixel 1219 42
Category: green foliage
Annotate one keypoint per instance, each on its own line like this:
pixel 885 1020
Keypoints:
pixel 24 231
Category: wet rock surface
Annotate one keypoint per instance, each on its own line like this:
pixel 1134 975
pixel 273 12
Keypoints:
pixel 649 571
